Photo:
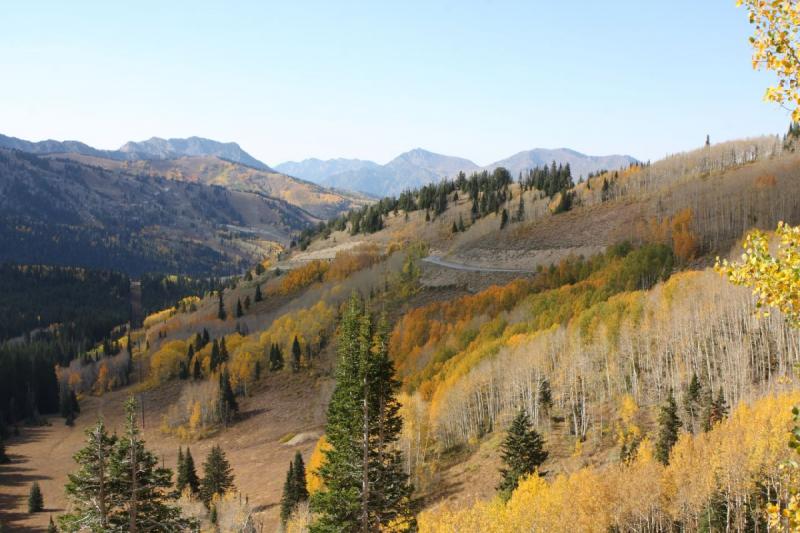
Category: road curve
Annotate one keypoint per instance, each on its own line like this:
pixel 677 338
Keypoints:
pixel 438 261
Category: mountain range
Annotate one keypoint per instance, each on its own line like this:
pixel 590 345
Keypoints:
pixel 419 167
pixel 151 149
pixel 199 160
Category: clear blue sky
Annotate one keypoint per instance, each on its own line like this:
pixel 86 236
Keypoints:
pixel 293 79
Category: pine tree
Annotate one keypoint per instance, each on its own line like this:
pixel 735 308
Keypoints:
pixel 296 353
pixel 454 229
pixel 227 399
pixel 217 478
pixel 68 404
pixel 247 302
pixel 299 470
pixel 289 496
pixel 90 489
pixel 51 526
pixel 223 352
pixel 520 216
pixel 258 296
pixel 691 400
pixel 275 358
pixel 715 410
pixel 180 480
pixel 461 227
pixel 197 371
pixel 239 310
pixel 142 487
pixel 669 424
pixel 504 218
pixel 215 357
pixel 522 452
pixel 190 474
pixel 365 486
pixel 35 499
pixel 221 314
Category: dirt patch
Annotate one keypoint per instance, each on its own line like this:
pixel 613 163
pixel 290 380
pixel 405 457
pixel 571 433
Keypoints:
pixel 281 404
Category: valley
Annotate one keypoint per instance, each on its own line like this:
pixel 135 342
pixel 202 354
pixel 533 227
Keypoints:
pixel 599 301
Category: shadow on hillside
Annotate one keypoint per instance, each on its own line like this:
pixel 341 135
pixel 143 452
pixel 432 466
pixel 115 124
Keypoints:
pixel 246 415
pixel 264 507
pixel 27 434
pixel 15 474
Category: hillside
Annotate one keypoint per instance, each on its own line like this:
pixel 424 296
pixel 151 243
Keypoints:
pixel 319 201
pixel 588 316
pixel 62 212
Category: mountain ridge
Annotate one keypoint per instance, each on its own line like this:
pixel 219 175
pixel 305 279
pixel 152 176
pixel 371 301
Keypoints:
pixel 418 167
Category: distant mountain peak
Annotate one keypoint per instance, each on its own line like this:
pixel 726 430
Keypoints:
pixel 159 148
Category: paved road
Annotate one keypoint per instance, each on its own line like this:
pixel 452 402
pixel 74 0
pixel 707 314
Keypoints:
pixel 436 260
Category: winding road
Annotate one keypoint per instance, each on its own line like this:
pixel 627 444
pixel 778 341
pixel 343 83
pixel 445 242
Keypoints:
pixel 438 261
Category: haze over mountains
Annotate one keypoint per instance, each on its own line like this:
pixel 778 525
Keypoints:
pixel 198 160
pixel 419 167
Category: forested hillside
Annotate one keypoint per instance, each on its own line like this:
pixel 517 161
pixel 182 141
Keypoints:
pixel 62 212
pixel 605 336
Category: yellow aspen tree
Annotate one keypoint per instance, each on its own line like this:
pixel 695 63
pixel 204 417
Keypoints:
pixel 775 41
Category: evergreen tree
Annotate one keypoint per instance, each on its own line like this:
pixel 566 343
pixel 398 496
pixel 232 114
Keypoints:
pixel 504 218
pixel 90 489
pixel 294 489
pixel 197 371
pixel 716 409
pixel 180 480
pixel 217 477
pixel 247 302
pixel 221 314
pixel 522 453
pixel 454 229
pixel 461 223
pixel 35 499
pixel 691 401
pixel 669 423
pixel 215 356
pixel 51 526
pixel 520 216
pixel 365 486
pixel 296 353
pixel 546 395
pixel 275 358
pixel 190 474
pixel 227 399
pixel 300 484
pixel 258 296
pixel 223 351
pixel 239 310
pixel 289 496
pixel 142 487
pixel 68 404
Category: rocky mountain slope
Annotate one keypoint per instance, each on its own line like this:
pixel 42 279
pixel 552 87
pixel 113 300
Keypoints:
pixel 63 212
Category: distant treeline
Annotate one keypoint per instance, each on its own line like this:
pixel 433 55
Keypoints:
pixel 87 304
pixel 488 191
pixel 85 307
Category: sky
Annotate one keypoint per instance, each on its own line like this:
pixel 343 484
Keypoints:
pixel 293 79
